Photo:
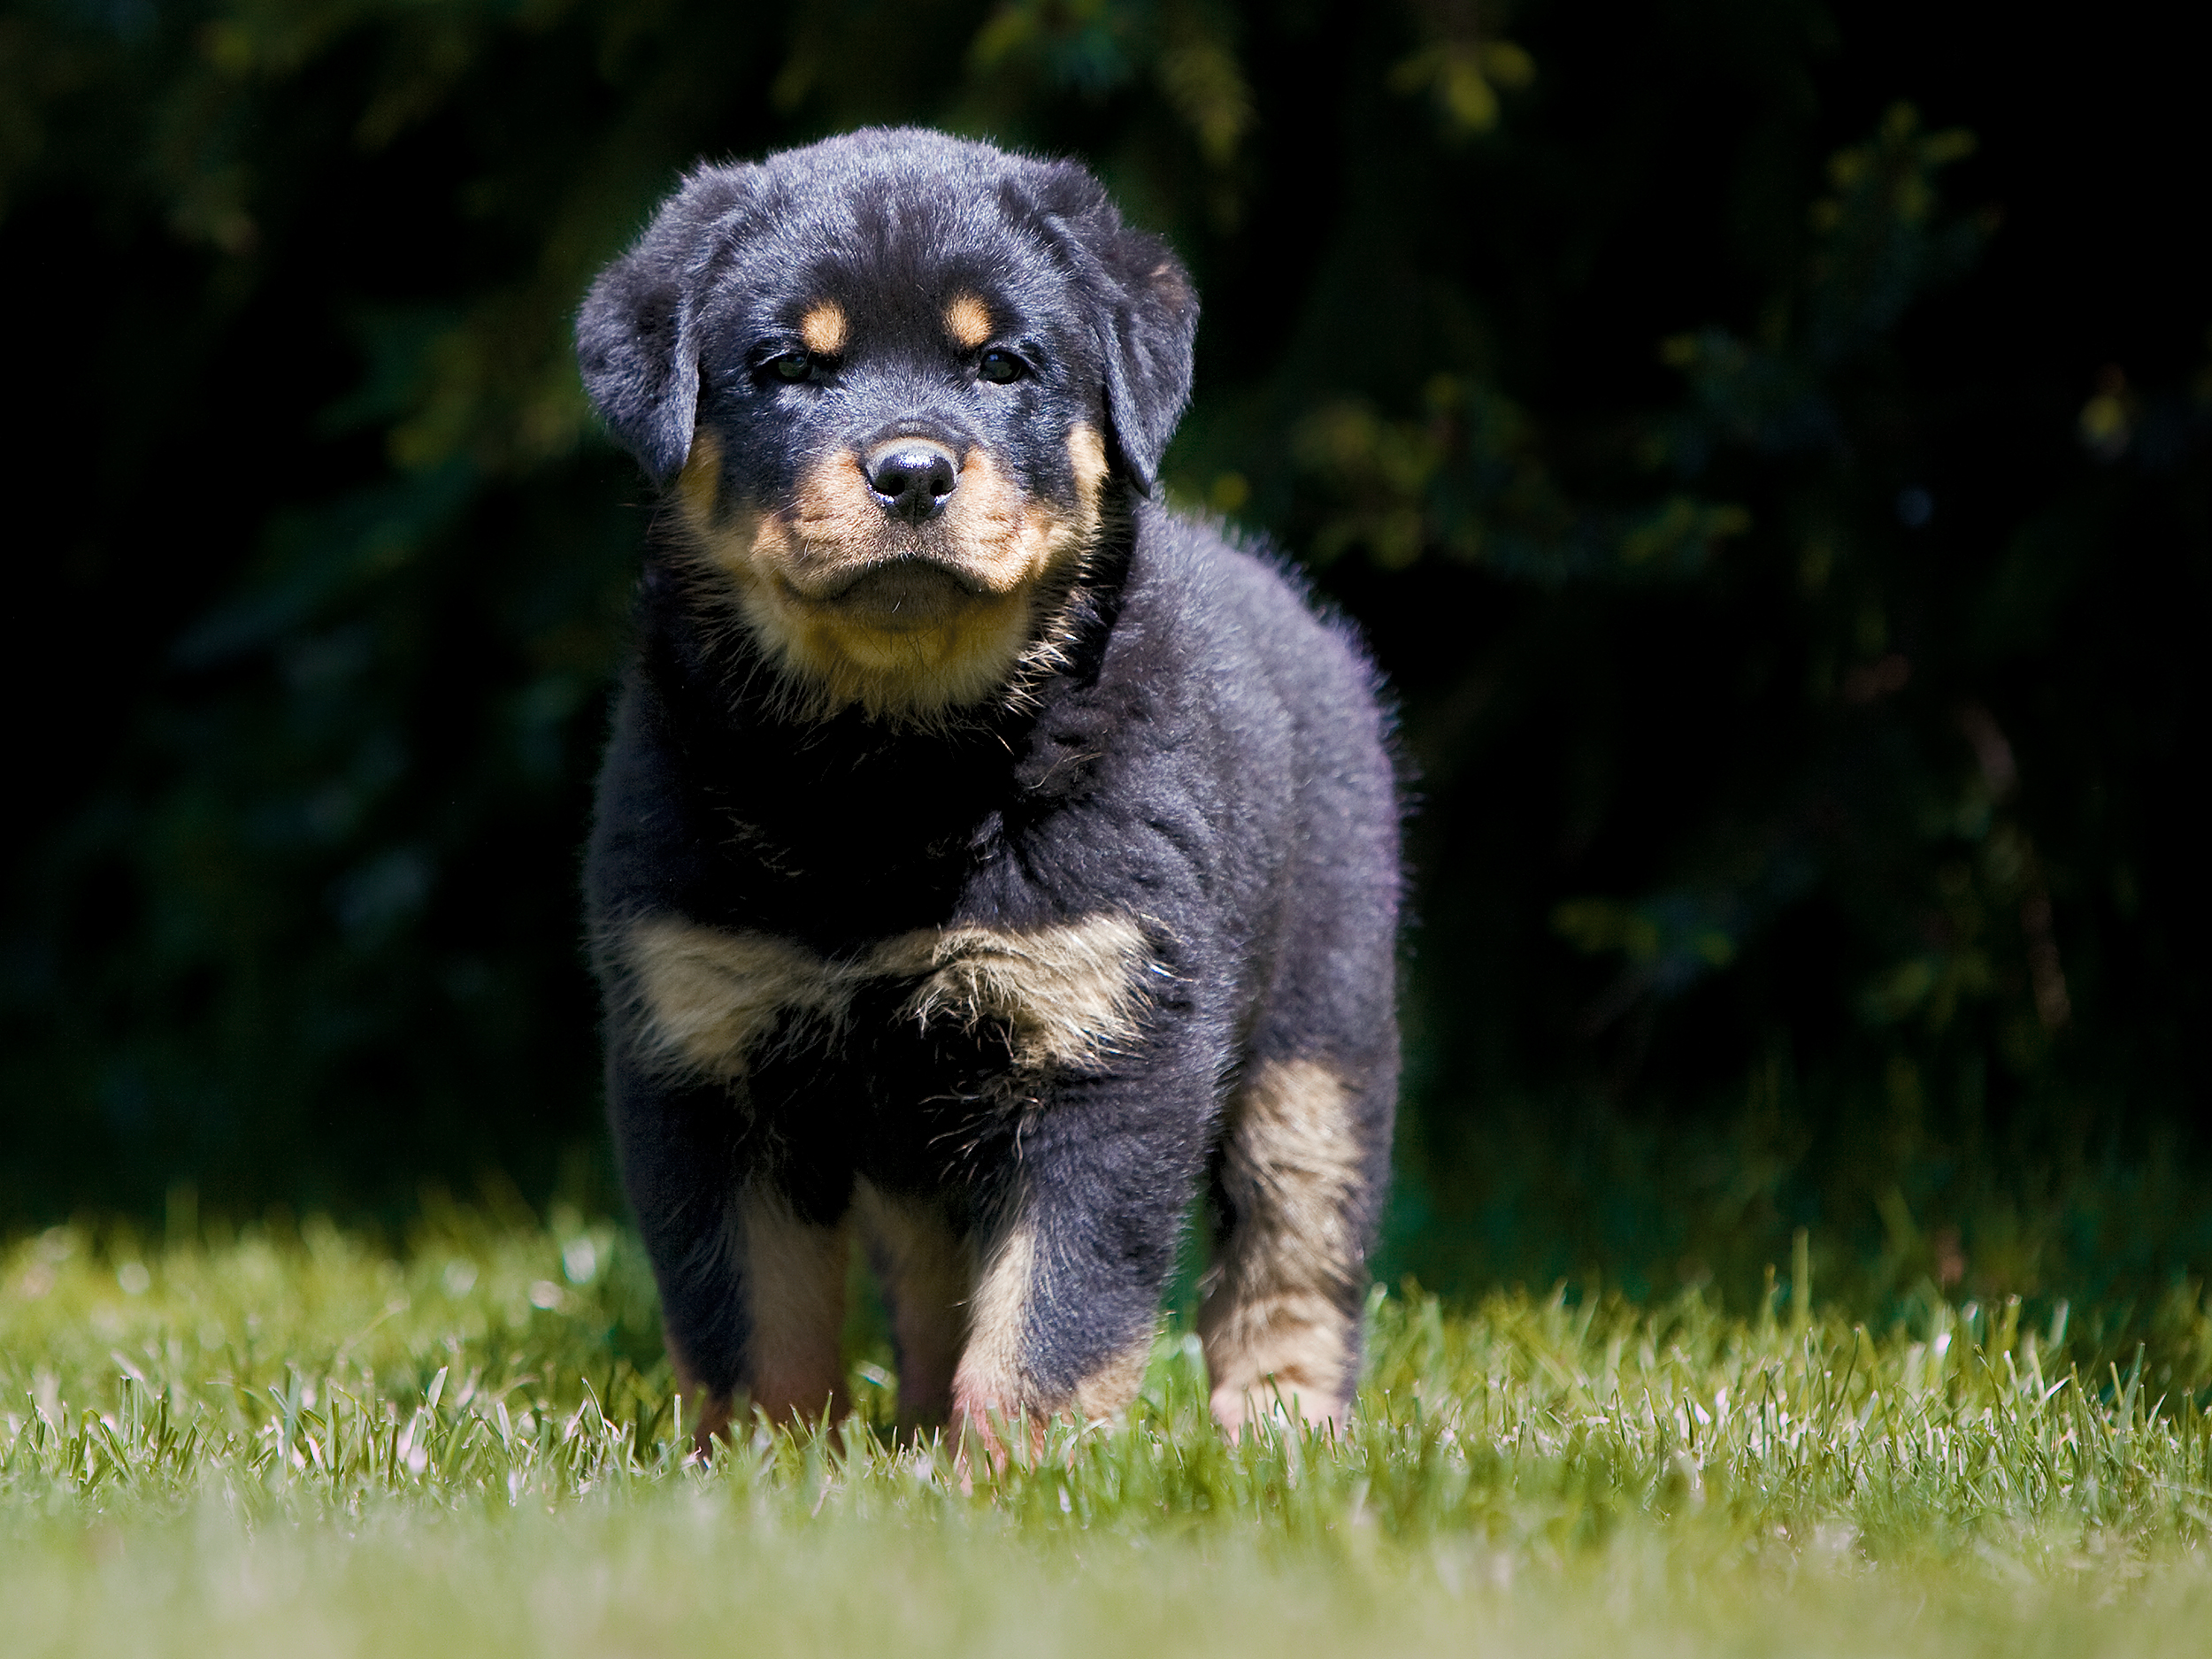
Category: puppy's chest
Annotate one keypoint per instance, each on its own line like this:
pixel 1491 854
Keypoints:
pixel 833 844
pixel 965 1012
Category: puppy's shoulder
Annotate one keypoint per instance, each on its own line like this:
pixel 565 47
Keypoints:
pixel 645 841
pixel 1232 609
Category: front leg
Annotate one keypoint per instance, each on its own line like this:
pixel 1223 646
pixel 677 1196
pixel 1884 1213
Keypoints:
pixel 1091 1078
pixel 1078 1247
pixel 752 1292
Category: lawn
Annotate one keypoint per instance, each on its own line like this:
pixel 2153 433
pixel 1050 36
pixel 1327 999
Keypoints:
pixel 306 1440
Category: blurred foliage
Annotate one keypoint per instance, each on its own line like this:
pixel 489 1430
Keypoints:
pixel 1785 517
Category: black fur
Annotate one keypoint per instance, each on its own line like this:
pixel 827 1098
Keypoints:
pixel 1206 758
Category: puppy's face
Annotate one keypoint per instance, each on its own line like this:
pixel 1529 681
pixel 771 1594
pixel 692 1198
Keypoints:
pixel 898 463
pixel 921 373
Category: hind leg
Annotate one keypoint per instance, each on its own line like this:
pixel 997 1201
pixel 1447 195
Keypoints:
pixel 794 1288
pixel 927 1270
pixel 784 1278
pixel 1298 1179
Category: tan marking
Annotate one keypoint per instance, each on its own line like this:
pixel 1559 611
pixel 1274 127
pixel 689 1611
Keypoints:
pixel 1052 643
pixel 992 1378
pixel 779 574
pixel 823 327
pixel 700 483
pixel 1004 546
pixel 795 1304
pixel 834 515
pixel 793 1279
pixel 1087 455
pixel 927 1271
pixel 1274 1321
pixel 967 321
pixel 709 994
pixel 1109 1391
pixel 1070 994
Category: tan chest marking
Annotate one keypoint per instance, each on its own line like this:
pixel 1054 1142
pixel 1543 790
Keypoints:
pixel 1069 994
pixel 709 995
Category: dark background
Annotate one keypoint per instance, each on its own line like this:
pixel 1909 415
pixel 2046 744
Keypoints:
pixel 1768 445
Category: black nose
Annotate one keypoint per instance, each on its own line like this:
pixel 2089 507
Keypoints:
pixel 912 477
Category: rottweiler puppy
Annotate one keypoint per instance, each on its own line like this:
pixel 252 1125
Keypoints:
pixel 985 860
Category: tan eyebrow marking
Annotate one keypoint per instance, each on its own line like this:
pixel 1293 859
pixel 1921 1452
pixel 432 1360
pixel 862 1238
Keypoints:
pixel 967 320
pixel 823 327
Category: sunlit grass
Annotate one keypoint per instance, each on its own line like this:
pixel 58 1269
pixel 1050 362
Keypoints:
pixel 308 1443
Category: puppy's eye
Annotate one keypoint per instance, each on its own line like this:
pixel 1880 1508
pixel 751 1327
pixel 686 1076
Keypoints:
pixel 792 367
pixel 998 367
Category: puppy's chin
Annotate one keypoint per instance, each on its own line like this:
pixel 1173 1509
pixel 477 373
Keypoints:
pixel 901 595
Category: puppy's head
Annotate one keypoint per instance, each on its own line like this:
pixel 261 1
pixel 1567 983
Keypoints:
pixel 895 384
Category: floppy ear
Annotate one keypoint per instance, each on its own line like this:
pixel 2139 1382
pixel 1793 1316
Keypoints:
pixel 1147 316
pixel 637 334
pixel 1148 352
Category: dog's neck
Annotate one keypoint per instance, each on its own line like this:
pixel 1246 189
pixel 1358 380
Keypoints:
pixel 836 814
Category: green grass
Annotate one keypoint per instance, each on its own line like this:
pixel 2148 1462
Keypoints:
pixel 305 1443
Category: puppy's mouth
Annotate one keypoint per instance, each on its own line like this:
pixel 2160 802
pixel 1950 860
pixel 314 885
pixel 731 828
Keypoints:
pixel 906 592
